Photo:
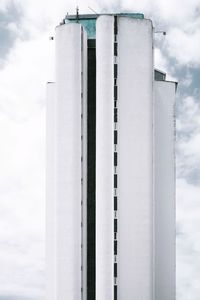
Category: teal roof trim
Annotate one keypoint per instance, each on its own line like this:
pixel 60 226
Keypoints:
pixel 132 15
pixel 89 21
pixel 88 24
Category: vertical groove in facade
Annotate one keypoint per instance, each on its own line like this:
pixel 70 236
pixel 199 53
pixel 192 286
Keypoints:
pixel 115 155
pixel 84 134
pixel 164 175
pixel 82 175
pixel 91 165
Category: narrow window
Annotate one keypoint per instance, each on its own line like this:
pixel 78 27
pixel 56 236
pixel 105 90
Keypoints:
pixel 115 137
pixel 115 49
pixel 115 225
pixel 115 70
pixel 115 181
pixel 115 247
pixel 115 115
pixel 115 92
pixel 115 26
pixel 115 203
pixel 115 159
pixel 115 269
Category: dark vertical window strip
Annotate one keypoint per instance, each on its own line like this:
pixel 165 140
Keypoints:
pixel 81 162
pixel 91 180
pixel 115 292
pixel 115 154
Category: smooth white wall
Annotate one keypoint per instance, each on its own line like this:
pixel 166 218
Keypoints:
pixel 50 194
pixel 135 159
pixel 164 189
pixel 135 173
pixel 104 159
pixel 70 63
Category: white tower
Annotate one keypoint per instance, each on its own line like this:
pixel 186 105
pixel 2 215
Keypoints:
pixel 134 185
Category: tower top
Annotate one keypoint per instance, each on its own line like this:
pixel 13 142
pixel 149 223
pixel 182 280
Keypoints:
pixel 88 21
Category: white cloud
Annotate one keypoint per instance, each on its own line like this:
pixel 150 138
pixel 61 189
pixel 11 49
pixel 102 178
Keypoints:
pixel 176 12
pixel 22 174
pixel 188 139
pixel 4 4
pixel 23 78
pixel 188 241
pixel 187 81
pixel 22 206
pixel 185 46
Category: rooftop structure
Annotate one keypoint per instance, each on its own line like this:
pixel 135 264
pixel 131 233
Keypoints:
pixel 89 21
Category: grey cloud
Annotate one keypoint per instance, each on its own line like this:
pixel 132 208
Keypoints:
pixel 108 6
pixel 187 113
pixel 194 176
pixel 14 15
pixel 194 73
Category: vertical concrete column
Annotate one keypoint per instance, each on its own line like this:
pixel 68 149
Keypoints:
pixel 124 158
pixel 135 155
pixel 104 158
pixel 164 189
pixel 71 74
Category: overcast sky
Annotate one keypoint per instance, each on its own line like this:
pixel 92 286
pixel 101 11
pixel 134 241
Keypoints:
pixel 26 64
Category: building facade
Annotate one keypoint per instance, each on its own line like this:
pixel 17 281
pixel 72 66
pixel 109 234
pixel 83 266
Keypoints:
pixel 110 164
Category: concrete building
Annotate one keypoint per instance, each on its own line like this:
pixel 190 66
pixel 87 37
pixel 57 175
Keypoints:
pixel 110 164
